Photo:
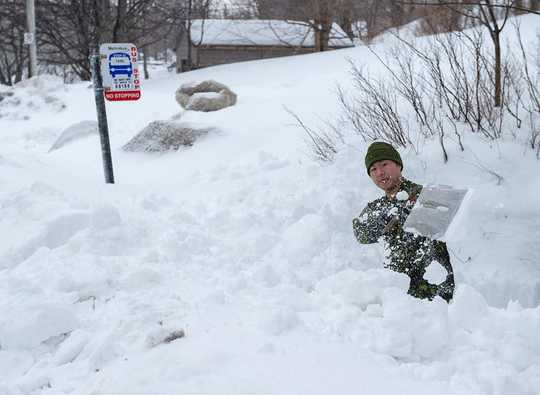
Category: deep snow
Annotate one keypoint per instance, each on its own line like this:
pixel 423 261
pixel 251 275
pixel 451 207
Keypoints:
pixel 245 243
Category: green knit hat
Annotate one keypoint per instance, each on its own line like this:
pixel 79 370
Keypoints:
pixel 381 151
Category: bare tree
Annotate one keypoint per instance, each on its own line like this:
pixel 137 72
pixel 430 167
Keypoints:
pixel 189 12
pixel 119 32
pixel 358 18
pixel 434 20
pixel 70 30
pixel 13 54
pixel 493 15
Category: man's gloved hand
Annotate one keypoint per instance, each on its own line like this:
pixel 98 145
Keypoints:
pixel 391 225
pixel 445 289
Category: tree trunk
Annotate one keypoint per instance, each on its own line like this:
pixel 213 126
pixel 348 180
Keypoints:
pixel 498 74
pixel 188 34
pixel 118 30
pixel 346 25
pixel 4 78
pixel 372 19
pixel 318 40
pixel 145 63
pixel 19 64
pixel 97 31
pixel 178 60
pixel 325 38
pixel 322 27
pixel 189 60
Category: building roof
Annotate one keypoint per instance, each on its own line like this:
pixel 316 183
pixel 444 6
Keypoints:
pixel 259 32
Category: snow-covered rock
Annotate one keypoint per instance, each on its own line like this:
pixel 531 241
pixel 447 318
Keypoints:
pixel 163 136
pixel 205 96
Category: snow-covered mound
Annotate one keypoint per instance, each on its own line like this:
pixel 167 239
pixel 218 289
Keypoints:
pixel 75 132
pixel 30 96
pixel 231 267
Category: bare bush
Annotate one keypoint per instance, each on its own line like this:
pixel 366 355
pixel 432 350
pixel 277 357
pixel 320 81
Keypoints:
pixel 323 144
pixel 444 87
pixel 373 112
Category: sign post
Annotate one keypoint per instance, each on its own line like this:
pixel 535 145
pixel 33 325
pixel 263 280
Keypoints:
pixel 102 119
pixel 116 78
pixel 29 36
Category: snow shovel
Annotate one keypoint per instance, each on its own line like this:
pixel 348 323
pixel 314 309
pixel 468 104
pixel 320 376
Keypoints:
pixel 438 212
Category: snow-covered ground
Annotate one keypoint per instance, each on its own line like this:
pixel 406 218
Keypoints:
pixel 245 243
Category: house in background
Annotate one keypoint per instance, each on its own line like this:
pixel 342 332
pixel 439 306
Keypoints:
pixel 220 41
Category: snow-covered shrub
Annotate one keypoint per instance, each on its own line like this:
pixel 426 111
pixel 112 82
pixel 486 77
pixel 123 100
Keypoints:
pixel 162 136
pixel 205 96
pixel 75 132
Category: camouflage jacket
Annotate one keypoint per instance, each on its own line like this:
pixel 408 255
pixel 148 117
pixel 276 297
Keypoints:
pixel 408 253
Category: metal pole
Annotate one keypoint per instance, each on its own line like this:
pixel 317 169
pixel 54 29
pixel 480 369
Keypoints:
pixel 31 26
pixel 102 119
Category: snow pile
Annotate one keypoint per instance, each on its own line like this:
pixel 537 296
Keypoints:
pixel 30 96
pixel 75 132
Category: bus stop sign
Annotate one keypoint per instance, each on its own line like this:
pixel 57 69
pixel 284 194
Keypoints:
pixel 120 73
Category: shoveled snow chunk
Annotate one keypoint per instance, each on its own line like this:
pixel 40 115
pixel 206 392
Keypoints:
pixel 27 329
pixel 435 273
pixel 402 195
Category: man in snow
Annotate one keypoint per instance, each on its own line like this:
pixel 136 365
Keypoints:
pixel 384 218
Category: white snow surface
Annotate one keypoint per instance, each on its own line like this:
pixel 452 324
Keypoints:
pixel 244 243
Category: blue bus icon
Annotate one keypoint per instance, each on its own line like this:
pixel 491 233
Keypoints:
pixel 120 63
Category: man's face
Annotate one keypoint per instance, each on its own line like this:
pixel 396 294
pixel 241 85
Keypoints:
pixel 386 174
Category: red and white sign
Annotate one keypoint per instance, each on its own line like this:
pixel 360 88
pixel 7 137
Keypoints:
pixel 120 72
